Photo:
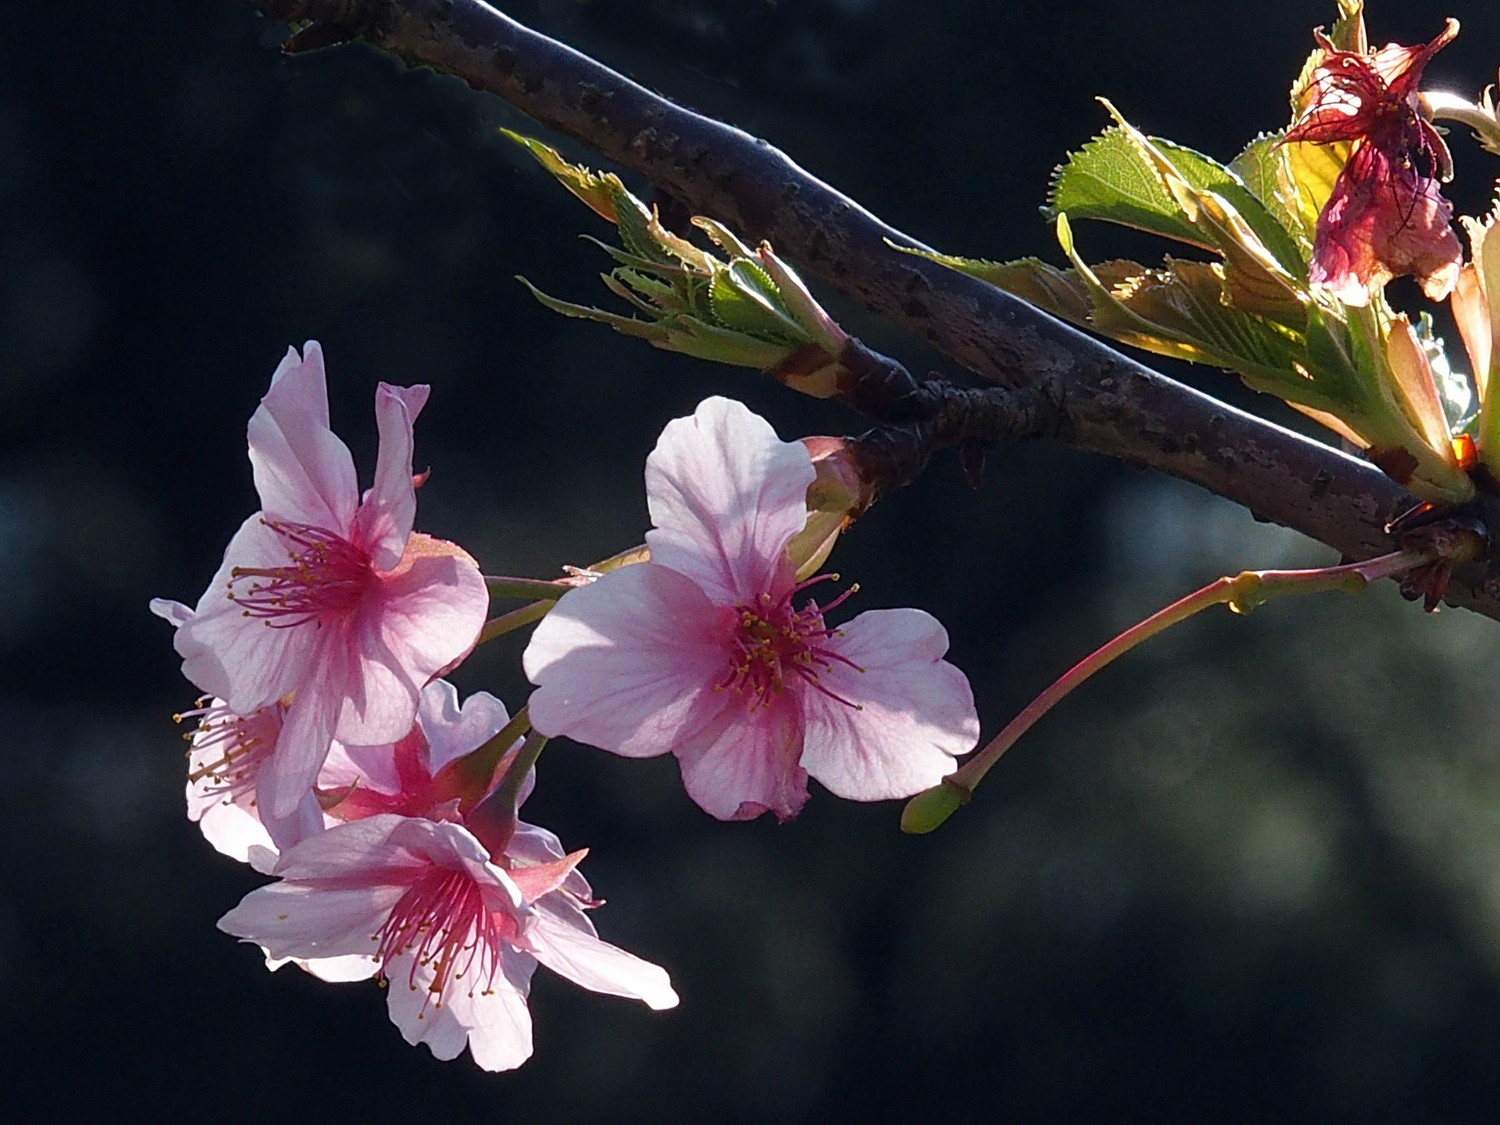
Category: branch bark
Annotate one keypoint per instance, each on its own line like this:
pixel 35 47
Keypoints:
pixel 1108 403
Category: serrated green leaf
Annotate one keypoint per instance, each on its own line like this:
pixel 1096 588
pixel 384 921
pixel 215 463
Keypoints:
pixel 592 188
pixel 723 237
pixel 732 308
pixel 1349 29
pixel 1111 179
pixel 747 276
pixel 661 294
pixel 671 270
pixel 1262 167
pixel 634 225
pixel 1309 172
pixel 1180 311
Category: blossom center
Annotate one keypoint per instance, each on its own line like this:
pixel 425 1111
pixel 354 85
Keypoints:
pixel 443 922
pixel 326 579
pixel 773 643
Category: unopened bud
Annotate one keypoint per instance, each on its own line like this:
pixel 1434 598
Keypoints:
pixel 805 310
pixel 836 497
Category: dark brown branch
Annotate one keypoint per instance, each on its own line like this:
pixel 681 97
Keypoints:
pixel 1109 403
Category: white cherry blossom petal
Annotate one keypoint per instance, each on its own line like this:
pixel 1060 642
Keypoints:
pixel 389 508
pixel 573 950
pixel 747 763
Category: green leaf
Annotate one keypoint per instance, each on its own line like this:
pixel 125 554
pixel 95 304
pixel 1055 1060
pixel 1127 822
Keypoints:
pixel 1180 311
pixel 594 189
pixel 1262 167
pixel 1309 172
pixel 1059 292
pixel 722 345
pixel 734 308
pixel 723 237
pixel 1112 179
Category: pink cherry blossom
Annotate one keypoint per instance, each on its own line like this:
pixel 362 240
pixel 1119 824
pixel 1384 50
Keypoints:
pixel 326 600
pixel 703 652
pixel 228 751
pixel 455 932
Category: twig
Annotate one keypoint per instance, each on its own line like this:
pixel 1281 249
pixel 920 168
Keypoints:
pixel 1108 403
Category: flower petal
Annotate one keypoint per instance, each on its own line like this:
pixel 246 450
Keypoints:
pixel 175 613
pixel 627 663
pixel 493 1021
pixel 388 509
pixel 305 820
pixel 746 762
pixel 563 939
pixel 453 731
pixel 341 970
pixel 423 619
pixel 726 496
pixel 245 661
pixel 292 919
pixel 231 828
pixel 915 711
pixel 376 849
pixel 288 777
pixel 303 472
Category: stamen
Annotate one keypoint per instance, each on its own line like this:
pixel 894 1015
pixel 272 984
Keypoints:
pixel 232 747
pixel 443 922
pixel 327 577
pixel 772 640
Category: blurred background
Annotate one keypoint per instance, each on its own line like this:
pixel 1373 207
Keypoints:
pixel 1250 873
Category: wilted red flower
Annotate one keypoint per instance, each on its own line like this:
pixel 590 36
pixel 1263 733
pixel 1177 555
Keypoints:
pixel 1386 216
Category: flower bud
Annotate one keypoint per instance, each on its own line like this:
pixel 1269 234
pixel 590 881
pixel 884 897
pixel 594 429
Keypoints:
pixel 836 497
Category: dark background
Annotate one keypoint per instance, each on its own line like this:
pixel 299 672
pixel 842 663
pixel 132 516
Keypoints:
pixel 1252 873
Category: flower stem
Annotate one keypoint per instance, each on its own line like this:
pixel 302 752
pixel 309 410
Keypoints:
pixel 501 587
pixel 1241 594
pixel 549 592
pixel 515 619
pixel 508 791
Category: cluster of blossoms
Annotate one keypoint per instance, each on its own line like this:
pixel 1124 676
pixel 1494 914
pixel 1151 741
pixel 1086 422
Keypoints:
pixel 330 754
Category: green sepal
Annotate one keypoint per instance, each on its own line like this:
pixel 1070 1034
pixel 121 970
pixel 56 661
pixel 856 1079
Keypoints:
pixel 630 326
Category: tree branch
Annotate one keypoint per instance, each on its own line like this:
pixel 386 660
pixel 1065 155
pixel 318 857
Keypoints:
pixel 1108 403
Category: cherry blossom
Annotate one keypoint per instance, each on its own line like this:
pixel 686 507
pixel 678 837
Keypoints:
pixel 327 601
pixel 455 932
pixel 704 653
pixel 228 751
pixel 1386 216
